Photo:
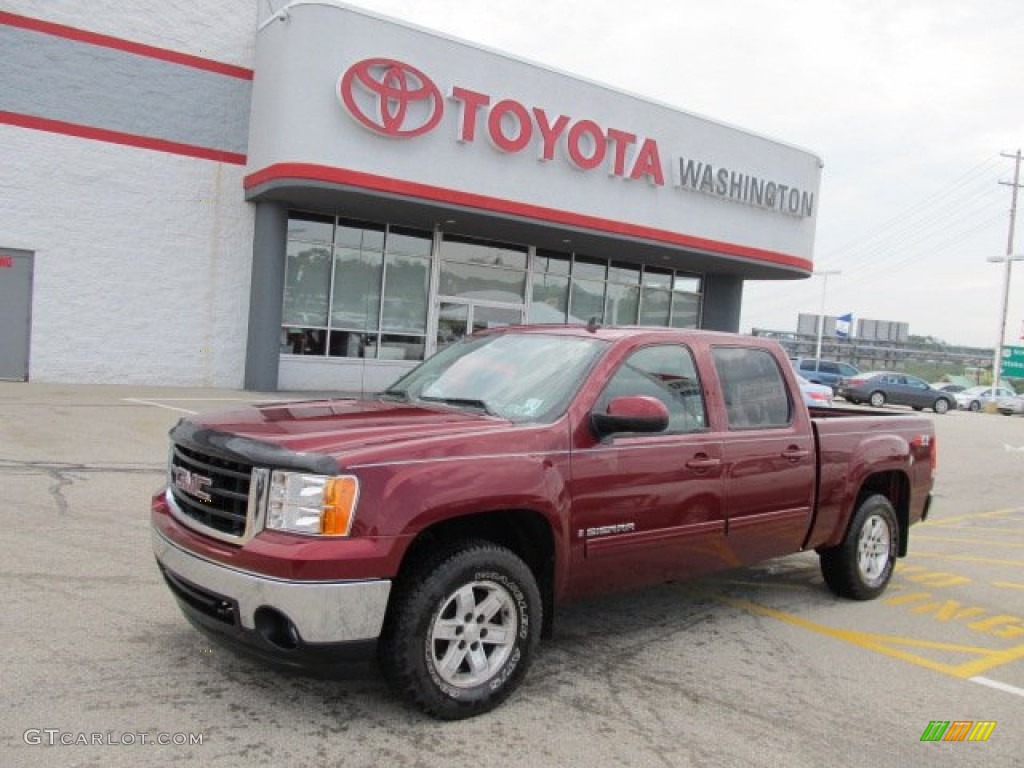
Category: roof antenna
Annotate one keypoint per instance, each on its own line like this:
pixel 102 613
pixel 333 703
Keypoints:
pixel 593 324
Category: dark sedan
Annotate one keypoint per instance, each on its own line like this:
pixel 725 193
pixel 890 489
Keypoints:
pixel 881 387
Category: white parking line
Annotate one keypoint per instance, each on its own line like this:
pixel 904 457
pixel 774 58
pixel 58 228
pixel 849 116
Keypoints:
pixel 137 401
pixel 998 686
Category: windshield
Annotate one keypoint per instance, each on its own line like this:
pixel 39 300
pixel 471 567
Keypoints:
pixel 521 377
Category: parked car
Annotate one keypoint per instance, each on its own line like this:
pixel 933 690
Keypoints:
pixel 975 398
pixel 815 395
pixel 881 387
pixel 829 372
pixel 1008 406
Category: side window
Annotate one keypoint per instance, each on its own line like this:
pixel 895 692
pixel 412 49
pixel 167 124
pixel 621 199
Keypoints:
pixel 847 370
pixel 755 393
pixel 806 365
pixel 830 368
pixel 665 372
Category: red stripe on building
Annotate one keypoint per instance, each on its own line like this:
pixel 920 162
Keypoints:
pixel 117 43
pixel 312 172
pixel 117 137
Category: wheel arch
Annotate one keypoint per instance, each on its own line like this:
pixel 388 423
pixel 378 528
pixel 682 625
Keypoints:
pixel 895 486
pixel 525 532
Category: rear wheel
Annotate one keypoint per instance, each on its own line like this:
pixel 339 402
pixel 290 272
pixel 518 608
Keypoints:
pixel 861 566
pixel 941 405
pixel 461 630
pixel 877 399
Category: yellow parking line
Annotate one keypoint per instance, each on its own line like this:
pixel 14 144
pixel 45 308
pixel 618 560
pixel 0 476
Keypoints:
pixel 955 540
pixel 893 645
pixel 1007 585
pixel 977 529
pixel 970 559
pixel 971 516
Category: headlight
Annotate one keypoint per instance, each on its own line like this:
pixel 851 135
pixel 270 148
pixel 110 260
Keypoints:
pixel 317 505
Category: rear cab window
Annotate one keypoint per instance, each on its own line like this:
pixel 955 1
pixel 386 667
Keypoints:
pixel 754 390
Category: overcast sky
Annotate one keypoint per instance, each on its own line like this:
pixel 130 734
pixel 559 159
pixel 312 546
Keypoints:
pixel 909 102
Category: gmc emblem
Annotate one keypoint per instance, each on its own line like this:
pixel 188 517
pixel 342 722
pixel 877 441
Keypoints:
pixel 191 483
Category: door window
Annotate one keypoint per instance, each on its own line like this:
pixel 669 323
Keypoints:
pixel 667 373
pixel 756 396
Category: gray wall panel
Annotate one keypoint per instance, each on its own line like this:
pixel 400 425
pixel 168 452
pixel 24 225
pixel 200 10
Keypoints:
pixel 59 79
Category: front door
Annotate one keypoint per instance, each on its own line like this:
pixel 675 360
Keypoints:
pixel 460 317
pixel 648 507
pixel 15 313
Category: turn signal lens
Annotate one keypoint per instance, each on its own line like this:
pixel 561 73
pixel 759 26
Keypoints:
pixel 339 505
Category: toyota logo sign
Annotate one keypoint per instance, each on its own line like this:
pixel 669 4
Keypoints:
pixel 390 97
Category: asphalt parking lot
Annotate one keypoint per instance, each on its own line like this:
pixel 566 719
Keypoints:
pixel 759 667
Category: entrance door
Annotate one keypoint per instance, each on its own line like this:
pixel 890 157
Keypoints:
pixel 15 313
pixel 457 318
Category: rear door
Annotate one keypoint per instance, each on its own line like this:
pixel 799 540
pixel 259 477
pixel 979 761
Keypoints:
pixel 769 455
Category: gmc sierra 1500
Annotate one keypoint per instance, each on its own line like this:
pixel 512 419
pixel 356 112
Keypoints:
pixel 439 524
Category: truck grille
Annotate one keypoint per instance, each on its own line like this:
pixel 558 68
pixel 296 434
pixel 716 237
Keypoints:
pixel 210 491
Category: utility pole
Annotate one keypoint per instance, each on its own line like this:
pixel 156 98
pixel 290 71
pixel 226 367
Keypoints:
pixel 821 318
pixel 997 361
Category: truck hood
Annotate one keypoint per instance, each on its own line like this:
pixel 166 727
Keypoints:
pixel 314 434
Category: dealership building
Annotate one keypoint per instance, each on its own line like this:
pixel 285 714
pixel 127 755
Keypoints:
pixel 271 195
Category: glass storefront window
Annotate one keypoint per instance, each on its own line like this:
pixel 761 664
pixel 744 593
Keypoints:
pixel 551 262
pixel 472 251
pixel 685 310
pixel 550 302
pixel 346 291
pixel 474 281
pixel 657 278
pixel 655 306
pixel 307 283
pixel 362 290
pixel 628 274
pixel 589 269
pixel 311 228
pixel 406 285
pixel 621 304
pixel 686 284
pixel 587 301
pixel 357 284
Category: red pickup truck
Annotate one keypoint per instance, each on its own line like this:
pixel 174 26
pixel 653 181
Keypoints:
pixel 440 524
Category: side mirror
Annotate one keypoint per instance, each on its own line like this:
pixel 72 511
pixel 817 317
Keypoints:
pixel 635 413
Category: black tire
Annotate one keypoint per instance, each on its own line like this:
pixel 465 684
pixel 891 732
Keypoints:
pixel 941 405
pixel 975 406
pixel 877 399
pixel 478 608
pixel 861 566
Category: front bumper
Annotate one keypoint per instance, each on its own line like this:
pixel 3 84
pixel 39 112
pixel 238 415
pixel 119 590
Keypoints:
pixel 288 621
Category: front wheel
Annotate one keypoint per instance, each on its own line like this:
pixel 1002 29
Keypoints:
pixel 941 405
pixel 975 406
pixel 877 399
pixel 861 566
pixel 461 630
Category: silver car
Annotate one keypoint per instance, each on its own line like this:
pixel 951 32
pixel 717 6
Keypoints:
pixel 975 398
pixel 1009 406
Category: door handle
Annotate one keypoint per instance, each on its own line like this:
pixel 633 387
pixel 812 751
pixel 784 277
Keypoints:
pixel 702 463
pixel 794 454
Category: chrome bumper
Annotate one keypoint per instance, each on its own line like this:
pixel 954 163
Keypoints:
pixel 322 611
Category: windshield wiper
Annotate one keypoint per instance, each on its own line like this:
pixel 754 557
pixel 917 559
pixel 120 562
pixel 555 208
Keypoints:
pixel 461 402
pixel 401 395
